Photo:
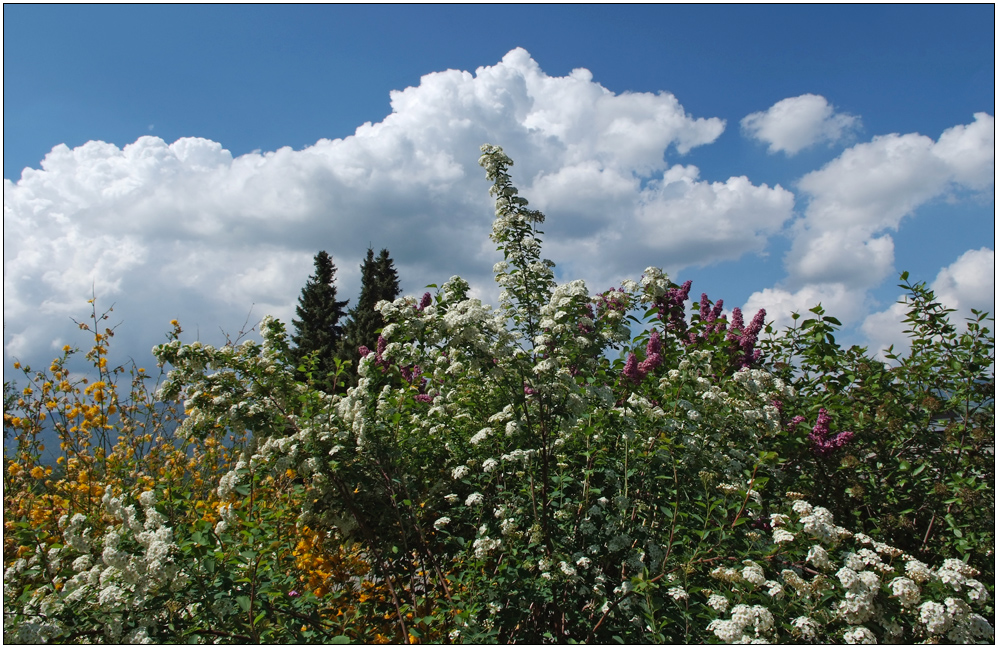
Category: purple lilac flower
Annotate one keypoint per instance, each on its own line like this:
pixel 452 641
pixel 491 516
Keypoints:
pixel 737 324
pixel 716 311
pixel 424 398
pixel 821 445
pixel 635 371
pixel 744 337
pixel 794 422
pixel 411 375
pixel 672 308
pixel 378 358
pixel 709 316
pixel 614 299
pixel 425 301
pixel 653 357
pixel 654 346
pixel 750 336
pixel 528 390
pixel 631 370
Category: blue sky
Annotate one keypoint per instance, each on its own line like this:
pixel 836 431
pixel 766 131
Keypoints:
pixel 880 157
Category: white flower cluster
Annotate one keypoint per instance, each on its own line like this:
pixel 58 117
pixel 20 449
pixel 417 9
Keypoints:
pixel 748 624
pixel 818 522
pixel 654 283
pixel 862 591
pixel 807 627
pixel 133 565
pixel 859 635
pixel 678 593
pixel 484 546
pixel 718 602
pixel 480 436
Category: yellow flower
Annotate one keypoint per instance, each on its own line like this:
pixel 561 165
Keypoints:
pixel 37 472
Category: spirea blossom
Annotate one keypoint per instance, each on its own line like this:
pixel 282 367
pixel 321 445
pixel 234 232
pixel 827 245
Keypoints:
pixel 781 536
pixel 807 627
pixel 859 635
pixel 678 593
pixel 718 602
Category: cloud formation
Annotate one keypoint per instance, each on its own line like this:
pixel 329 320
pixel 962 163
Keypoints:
pixel 796 123
pixel 841 246
pixel 186 230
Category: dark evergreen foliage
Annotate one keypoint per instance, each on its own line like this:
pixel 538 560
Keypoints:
pixel 317 328
pixel 379 281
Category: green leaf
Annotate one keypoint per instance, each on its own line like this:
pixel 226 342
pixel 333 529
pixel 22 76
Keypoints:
pixel 244 602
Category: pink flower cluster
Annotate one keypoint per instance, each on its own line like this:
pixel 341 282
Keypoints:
pixel 412 375
pixel 614 299
pixel 745 337
pixel 636 371
pixel 711 317
pixel 672 308
pixel 742 339
pixel 379 359
pixel 821 444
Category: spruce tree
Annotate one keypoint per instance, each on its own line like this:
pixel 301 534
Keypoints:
pixel 387 277
pixel 379 280
pixel 317 328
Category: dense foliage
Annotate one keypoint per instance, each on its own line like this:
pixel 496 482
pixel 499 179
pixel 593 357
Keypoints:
pixel 379 281
pixel 317 330
pixel 495 476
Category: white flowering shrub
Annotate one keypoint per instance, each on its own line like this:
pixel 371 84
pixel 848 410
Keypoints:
pixel 825 584
pixel 506 480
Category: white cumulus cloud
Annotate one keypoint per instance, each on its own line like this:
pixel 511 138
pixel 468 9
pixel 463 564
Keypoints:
pixel 841 246
pixel 187 230
pixel 868 189
pixel 797 123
